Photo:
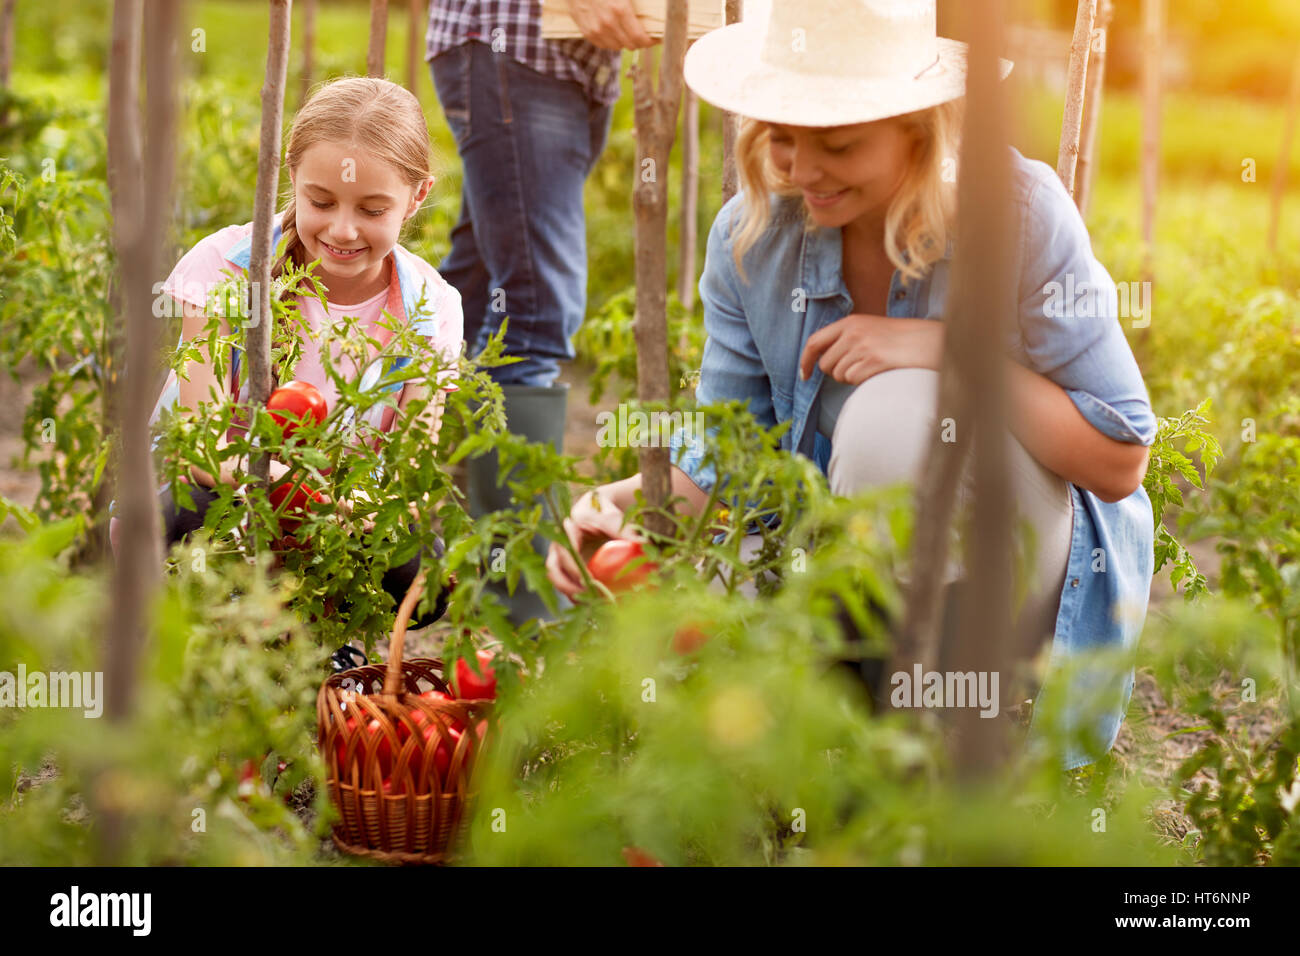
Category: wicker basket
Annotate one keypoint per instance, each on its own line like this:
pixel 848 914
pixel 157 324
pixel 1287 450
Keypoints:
pixel 397 768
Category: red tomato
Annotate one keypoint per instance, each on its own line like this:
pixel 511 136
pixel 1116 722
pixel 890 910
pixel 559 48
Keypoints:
pixel 293 404
pixel 437 696
pixel 442 750
pixel 340 746
pixel 689 639
pixel 635 856
pixel 384 748
pixel 609 565
pixel 442 757
pixel 250 777
pixel 297 504
pixel 471 686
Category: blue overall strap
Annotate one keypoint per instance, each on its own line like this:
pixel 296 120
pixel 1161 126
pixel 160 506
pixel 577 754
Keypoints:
pixel 242 251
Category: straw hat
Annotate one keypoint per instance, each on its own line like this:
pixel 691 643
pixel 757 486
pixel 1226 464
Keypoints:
pixel 830 63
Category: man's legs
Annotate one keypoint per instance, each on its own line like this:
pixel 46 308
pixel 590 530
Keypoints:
pixel 527 143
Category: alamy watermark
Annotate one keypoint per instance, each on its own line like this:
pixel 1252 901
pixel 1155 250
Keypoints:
pixel 231 298
pixel 637 429
pixel 84 690
pixel 941 689
pixel 130 910
pixel 1084 300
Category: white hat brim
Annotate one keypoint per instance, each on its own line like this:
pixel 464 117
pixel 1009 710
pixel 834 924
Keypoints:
pixel 723 67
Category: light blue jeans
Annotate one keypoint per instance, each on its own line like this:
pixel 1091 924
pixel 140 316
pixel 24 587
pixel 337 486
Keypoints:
pixel 527 142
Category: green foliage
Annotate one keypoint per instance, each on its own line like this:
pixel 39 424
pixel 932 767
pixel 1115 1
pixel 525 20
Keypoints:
pixel 229 678
pixel 608 338
pixel 1258 538
pixel 55 225
pixel 1223 664
pixel 1166 465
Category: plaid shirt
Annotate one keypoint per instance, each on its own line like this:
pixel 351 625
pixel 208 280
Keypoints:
pixel 515 26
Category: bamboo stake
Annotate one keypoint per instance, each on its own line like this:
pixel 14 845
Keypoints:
pixel 656 128
pixel 132 577
pixel 140 219
pixel 1152 28
pixel 268 183
pixel 414 48
pixel 308 50
pixel 730 181
pixel 125 184
pixel 1092 104
pixel 1284 157
pixel 690 201
pixel 986 302
pixel 972 395
pixel 6 43
pixel 1067 156
pixel 378 37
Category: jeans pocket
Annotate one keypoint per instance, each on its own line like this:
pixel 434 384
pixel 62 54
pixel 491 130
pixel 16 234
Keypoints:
pixel 451 77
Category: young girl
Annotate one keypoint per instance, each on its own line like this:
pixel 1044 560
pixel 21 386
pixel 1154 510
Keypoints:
pixel 846 207
pixel 358 158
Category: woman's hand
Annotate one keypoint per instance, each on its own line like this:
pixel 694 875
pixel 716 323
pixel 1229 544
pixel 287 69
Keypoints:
pixel 593 520
pixel 859 346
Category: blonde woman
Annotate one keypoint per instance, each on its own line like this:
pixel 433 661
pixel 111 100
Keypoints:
pixel 824 290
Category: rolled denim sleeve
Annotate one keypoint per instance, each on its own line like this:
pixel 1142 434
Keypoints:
pixel 732 367
pixel 1069 316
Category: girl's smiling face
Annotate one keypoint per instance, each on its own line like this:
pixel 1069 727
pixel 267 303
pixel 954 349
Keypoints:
pixel 350 207
pixel 846 173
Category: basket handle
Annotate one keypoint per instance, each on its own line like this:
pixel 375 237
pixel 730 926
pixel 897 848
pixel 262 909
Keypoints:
pixel 393 677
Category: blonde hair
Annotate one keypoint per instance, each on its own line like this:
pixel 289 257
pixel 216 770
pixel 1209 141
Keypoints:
pixel 921 216
pixel 379 116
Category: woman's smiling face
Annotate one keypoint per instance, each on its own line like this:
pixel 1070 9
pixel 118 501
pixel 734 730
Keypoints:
pixel 350 210
pixel 846 173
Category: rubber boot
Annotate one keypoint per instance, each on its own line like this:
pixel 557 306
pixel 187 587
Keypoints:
pixel 537 413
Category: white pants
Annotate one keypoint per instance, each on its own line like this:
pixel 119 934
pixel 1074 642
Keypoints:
pixel 882 437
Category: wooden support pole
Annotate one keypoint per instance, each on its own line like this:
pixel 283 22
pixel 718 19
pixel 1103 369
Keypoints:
pixel 1284 157
pixel 139 223
pixel 378 37
pixel 1152 29
pixel 258 344
pixel 414 46
pixel 6 43
pixel 1067 156
pixel 656 127
pixel 1092 104
pixel 735 10
pixel 972 396
pixel 690 202
pixel 308 50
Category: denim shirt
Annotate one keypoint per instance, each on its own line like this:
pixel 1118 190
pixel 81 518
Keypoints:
pixel 756 334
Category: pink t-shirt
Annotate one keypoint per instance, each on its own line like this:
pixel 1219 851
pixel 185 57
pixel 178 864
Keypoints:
pixel 204 267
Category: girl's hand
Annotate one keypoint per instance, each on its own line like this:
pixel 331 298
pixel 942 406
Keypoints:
pixel 859 346
pixel 593 520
